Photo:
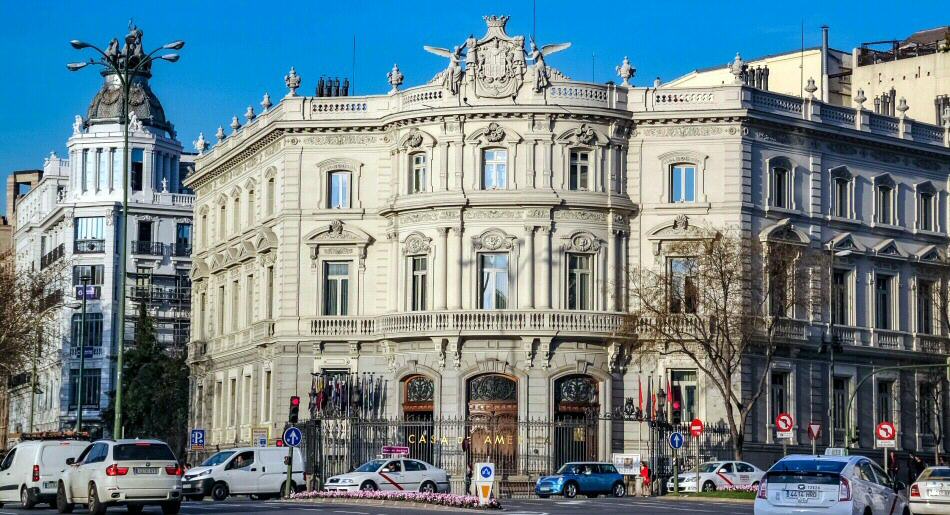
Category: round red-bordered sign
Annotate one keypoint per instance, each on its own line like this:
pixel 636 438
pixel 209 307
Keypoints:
pixel 784 422
pixel 885 431
pixel 696 427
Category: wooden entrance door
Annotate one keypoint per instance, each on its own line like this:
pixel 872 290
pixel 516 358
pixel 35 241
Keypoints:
pixel 493 422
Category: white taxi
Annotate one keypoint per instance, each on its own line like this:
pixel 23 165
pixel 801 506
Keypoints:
pixel 828 485
pixel 392 474
pixel 718 475
pixel 930 493
pixel 134 473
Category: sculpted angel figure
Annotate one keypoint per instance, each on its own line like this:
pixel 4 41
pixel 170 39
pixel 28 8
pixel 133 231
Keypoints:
pixel 540 67
pixel 453 74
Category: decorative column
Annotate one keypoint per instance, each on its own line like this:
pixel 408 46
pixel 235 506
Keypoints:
pixel 442 269
pixel 454 285
pixel 526 296
pixel 622 286
pixel 393 237
pixel 610 275
pixel 544 269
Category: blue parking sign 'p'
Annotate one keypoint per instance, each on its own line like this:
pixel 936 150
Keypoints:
pixel 676 440
pixel 197 437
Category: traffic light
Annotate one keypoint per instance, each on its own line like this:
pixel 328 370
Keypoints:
pixel 294 409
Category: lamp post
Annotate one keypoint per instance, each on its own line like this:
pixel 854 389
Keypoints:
pixel 125 65
pixel 82 352
pixel 832 343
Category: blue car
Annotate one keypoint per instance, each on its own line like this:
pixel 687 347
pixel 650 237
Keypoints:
pixel 588 478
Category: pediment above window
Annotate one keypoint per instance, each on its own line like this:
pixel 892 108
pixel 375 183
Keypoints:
pixel 242 252
pixel 888 248
pixel 337 233
pixel 846 241
pixel 340 163
pixel 884 179
pixel 219 260
pixel 926 187
pixel 679 228
pixel 841 172
pixel 683 156
pixel 494 134
pixel 265 240
pixel 585 135
pixel 199 269
pixel 415 139
pixel 582 241
pixel 493 239
pixel 930 254
pixel 416 244
pixel 784 231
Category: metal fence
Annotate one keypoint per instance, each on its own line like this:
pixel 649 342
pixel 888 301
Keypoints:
pixel 522 450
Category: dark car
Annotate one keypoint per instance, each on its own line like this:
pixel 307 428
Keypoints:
pixel 588 478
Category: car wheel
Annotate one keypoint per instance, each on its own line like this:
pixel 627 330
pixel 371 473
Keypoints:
pixel 62 506
pixel 570 490
pixel 428 487
pixel 134 509
pixel 26 500
pixel 283 488
pixel 368 486
pixel 619 490
pixel 95 505
pixel 171 508
pixel 219 491
pixel 709 486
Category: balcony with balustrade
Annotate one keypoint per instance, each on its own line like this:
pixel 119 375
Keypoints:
pixel 148 248
pixel 89 246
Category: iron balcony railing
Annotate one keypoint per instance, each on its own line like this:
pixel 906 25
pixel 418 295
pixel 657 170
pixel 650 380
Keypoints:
pixel 182 249
pixel 151 248
pixel 53 256
pixel 89 246
pixel 161 294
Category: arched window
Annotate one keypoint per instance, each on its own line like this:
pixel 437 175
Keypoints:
pixel 418 395
pixel 236 215
pixel 271 195
pixel 251 206
pixel 222 221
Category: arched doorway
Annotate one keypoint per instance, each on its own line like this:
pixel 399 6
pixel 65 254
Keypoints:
pixel 418 397
pixel 576 406
pixel 493 421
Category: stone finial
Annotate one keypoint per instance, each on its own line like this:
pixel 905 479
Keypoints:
pixel 811 88
pixel 220 134
pixel 946 116
pixel 266 103
pixel 249 114
pixel 78 125
pixel 235 124
pixel 292 80
pixel 395 78
pixel 860 99
pixel 902 107
pixel 200 143
pixel 626 71
pixel 736 68
pixel 657 82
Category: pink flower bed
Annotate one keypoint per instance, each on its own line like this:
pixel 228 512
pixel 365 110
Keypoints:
pixel 452 500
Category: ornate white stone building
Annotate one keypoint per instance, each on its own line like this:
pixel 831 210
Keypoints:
pixel 467 240
pixel 72 213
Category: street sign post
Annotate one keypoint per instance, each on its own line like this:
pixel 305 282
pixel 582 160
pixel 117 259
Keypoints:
pixel 886 438
pixel 292 437
pixel 696 428
pixel 783 430
pixel 197 439
pixel 676 442
pixel 814 432
pixel 484 482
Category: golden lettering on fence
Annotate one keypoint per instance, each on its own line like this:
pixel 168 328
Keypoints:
pixel 490 439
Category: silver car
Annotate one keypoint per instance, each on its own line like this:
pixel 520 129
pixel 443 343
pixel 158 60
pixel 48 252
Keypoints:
pixel 930 493
pixel 392 474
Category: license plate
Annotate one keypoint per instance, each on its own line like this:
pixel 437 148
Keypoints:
pixel 941 493
pixel 146 470
pixel 801 494
pixel 49 485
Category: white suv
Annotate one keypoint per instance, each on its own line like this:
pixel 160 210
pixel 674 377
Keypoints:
pixel 135 473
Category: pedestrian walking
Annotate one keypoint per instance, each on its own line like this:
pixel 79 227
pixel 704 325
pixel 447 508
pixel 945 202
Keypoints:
pixel 917 466
pixel 893 467
pixel 644 479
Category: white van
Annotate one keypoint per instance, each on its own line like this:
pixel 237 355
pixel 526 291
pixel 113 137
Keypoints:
pixel 254 471
pixel 31 470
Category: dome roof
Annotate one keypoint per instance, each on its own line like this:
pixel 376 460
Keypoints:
pixel 107 104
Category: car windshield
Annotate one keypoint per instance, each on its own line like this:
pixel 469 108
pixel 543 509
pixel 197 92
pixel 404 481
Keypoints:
pixel 935 474
pixel 706 468
pixel 140 451
pixel 371 466
pixel 568 468
pixel 217 459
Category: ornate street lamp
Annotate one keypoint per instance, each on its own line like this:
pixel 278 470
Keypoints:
pixel 124 65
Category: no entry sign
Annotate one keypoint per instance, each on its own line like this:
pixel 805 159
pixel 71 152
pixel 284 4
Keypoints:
pixel 696 427
pixel 885 434
pixel 783 425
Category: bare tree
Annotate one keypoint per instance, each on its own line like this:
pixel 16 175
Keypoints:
pixel 722 299
pixel 931 409
pixel 29 309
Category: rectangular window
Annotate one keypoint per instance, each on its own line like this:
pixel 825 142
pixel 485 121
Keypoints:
pixel 778 394
pixel 493 270
pixel 222 222
pixel 90 228
pixel 91 387
pixel 236 215
pixel 103 180
pixel 780 184
pixel 925 212
pixel 885 401
pixel 183 240
pixel 925 408
pixel 336 288
pixel 271 196
pixel 840 298
pixel 842 192
pixel 220 319
pixel 144 231
pixel 205 229
pixel 89 170
pixel 95 273
pixel 683 293
pixel 683 183
pixel 92 333
pixel 218 403
pixel 232 404
pixel 249 302
pixel 235 304
pixel 494 169
pixel 683 394
pixel 579 171
pixel 882 301
pixel 202 314
pixel 251 207
pixel 267 394
pixel 138 169
pixel 339 193
pixel 884 199
pixel 579 281
pixel 419 276
pixel 925 306
pixel 117 154
pixel 269 306
pixel 419 174
pixel 840 401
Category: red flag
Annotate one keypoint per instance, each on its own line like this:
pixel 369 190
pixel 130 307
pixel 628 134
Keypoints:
pixel 640 393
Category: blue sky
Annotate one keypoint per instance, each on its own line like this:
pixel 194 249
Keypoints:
pixel 237 50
